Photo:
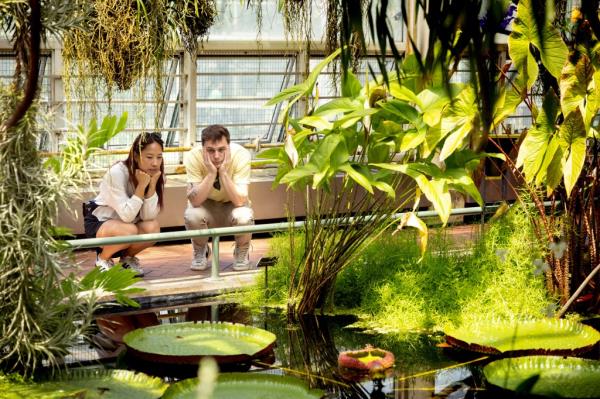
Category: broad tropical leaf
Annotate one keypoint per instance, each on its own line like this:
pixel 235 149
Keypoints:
pixel 543 336
pixel 247 386
pixel 551 376
pixel 357 176
pixel 573 143
pixel 546 39
pixel 574 82
pixel 188 342
pixel 460 119
pixel 412 220
pixel 89 384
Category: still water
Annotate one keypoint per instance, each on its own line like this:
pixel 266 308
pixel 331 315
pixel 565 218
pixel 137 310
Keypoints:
pixel 308 349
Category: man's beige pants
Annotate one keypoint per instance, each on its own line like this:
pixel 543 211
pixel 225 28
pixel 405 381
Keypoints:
pixel 213 214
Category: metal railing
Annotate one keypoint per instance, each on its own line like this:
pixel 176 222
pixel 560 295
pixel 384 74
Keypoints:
pixel 216 233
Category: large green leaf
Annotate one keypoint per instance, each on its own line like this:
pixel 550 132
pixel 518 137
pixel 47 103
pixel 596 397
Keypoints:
pixel 322 156
pixel 403 93
pixel 299 173
pixel 459 179
pixel 543 336
pixel 509 99
pixel 412 138
pixel 318 122
pixel 357 176
pixel 546 39
pixel 338 106
pixel 593 101
pixel 552 376
pixel 458 121
pixel 247 386
pixel 404 111
pixel 108 129
pixel 432 139
pixel 537 150
pixel 437 193
pixel 532 152
pixel 573 143
pixel 574 82
pixel 433 100
pixel 116 280
pixel 190 341
pixel 89 384
pixel 351 86
pixel 548 115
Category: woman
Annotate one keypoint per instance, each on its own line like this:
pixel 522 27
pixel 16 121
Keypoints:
pixel 130 198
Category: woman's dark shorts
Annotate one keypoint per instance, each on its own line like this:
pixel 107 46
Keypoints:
pixel 91 224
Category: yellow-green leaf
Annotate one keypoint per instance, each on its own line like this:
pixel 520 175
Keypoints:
pixel 573 142
pixel 357 177
pixel 546 38
pixel 412 220
pixel 574 81
pixel 437 193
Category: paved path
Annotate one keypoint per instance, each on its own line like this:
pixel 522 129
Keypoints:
pixel 167 270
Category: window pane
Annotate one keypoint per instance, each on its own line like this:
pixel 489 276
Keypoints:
pixel 232 91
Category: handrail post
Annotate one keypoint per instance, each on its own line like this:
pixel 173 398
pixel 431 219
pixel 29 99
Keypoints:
pixel 216 265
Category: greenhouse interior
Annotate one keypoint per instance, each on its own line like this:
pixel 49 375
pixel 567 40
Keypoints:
pixel 299 199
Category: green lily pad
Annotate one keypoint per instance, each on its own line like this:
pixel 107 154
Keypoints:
pixel 247 386
pixel 89 384
pixel 553 376
pixel 187 343
pixel 525 337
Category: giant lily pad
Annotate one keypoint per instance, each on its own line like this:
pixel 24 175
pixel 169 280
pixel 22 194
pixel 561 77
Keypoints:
pixel 553 376
pixel 89 384
pixel 524 337
pixel 247 386
pixel 186 343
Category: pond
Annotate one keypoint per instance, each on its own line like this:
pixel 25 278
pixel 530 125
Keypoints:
pixel 308 349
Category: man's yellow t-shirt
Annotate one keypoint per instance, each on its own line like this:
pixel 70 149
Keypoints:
pixel 239 169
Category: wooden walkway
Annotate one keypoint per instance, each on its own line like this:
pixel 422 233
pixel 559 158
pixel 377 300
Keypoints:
pixel 169 278
pixel 168 274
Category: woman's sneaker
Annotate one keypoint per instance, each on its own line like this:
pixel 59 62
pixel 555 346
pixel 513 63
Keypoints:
pixel 104 264
pixel 132 263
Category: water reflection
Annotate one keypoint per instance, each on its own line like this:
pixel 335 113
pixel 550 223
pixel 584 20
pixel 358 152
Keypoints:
pixel 309 349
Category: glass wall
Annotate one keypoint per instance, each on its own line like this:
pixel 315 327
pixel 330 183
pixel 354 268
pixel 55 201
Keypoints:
pixel 232 91
pixel 7 70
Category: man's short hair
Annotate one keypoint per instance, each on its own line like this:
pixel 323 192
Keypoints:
pixel 215 133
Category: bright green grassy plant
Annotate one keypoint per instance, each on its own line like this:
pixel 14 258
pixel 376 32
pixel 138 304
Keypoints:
pixel 392 290
pixel 497 277
pixel 42 311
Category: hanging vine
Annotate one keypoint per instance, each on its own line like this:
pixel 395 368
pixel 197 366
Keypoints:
pixel 122 43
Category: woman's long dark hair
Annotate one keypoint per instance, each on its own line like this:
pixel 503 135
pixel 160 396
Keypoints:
pixel 141 142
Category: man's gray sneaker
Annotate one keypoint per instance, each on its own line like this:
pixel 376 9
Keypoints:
pixel 200 261
pixel 242 259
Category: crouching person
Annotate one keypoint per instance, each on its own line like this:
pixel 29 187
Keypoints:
pixel 218 175
pixel 130 198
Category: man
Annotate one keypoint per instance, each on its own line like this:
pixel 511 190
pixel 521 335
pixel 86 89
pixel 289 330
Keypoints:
pixel 218 175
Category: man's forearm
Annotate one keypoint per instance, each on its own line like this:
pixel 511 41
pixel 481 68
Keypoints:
pixel 237 198
pixel 197 193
